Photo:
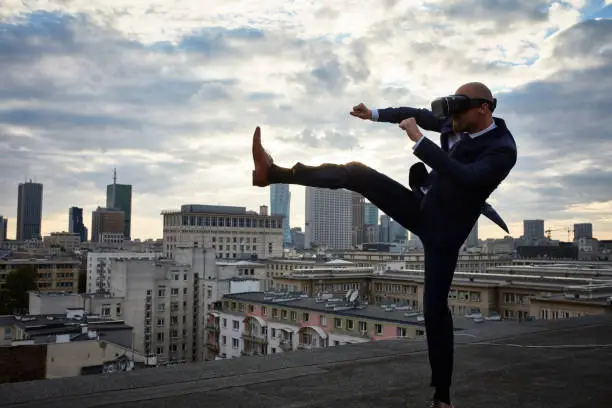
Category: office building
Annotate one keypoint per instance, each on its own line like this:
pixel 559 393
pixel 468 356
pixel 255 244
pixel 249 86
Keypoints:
pixel 233 232
pixel 583 230
pixel 370 214
pixel 29 211
pixel 119 197
pixel 358 204
pixel 75 223
pixel 329 218
pixel 533 231
pixel 106 220
pixel 280 204
pixel 3 228
pixel 472 239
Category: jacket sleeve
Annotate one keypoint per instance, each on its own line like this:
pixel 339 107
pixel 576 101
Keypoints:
pixel 424 118
pixel 490 169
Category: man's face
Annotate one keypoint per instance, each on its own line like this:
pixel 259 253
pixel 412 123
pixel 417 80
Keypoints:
pixel 462 121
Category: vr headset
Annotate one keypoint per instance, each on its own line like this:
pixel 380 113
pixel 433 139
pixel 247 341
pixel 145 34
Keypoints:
pixel 455 104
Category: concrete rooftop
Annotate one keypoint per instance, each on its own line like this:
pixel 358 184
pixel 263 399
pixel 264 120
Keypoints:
pixel 378 374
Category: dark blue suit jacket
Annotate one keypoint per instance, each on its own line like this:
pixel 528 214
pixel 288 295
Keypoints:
pixel 461 180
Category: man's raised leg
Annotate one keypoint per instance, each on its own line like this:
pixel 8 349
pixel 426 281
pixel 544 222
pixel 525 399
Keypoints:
pixel 388 195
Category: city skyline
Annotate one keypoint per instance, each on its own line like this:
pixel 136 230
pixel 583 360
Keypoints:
pixel 84 93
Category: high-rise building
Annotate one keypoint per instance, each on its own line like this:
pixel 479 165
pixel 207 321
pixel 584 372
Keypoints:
pixel 29 210
pixel 472 239
pixel 119 197
pixel 329 218
pixel 75 223
pixel 3 228
pixel 583 230
pixel 106 221
pixel 358 215
pixel 384 229
pixel 533 231
pixel 280 204
pixel 370 214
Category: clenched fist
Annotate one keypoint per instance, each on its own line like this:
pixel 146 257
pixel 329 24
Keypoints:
pixel 362 112
pixel 411 128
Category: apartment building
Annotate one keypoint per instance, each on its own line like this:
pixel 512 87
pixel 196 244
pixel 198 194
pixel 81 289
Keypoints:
pixel 466 262
pixel 99 267
pixel 233 232
pixel 164 301
pixel 264 323
pixel 499 291
pixel 52 274
pixel 65 241
pixel 101 305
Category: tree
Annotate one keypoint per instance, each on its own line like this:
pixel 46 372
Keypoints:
pixel 14 296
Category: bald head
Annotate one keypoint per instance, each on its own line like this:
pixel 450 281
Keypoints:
pixel 475 90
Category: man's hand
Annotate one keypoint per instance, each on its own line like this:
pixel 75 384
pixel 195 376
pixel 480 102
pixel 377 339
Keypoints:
pixel 411 128
pixel 362 112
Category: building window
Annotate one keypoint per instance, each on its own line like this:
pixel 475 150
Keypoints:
pixel 235 324
pixel 350 325
pixel 305 317
pixel 235 343
pixel 293 316
pixel 284 314
pixel 323 320
pixel 337 323
pixel 160 322
pixel 379 329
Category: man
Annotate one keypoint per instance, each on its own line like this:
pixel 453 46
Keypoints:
pixel 477 153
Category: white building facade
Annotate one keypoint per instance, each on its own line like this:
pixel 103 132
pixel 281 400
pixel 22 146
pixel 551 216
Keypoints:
pixel 329 218
pixel 233 232
pixel 99 267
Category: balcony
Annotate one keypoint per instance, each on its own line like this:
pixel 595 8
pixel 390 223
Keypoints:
pixel 393 373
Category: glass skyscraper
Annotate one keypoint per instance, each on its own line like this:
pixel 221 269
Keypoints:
pixel 119 197
pixel 280 204
pixel 75 223
pixel 371 214
pixel 29 210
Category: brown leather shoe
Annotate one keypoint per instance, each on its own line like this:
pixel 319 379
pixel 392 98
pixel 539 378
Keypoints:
pixel 261 160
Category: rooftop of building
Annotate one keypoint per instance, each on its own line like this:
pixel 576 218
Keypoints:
pixel 216 210
pixel 39 261
pixel 562 364
pixel 60 323
pixel 387 312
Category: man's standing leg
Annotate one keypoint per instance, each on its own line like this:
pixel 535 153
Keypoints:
pixel 440 266
pixel 388 195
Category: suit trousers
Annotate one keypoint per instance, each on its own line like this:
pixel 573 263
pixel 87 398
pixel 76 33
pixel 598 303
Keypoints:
pixel 402 205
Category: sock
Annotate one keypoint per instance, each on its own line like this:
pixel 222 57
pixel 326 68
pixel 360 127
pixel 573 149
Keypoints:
pixel 442 394
pixel 280 175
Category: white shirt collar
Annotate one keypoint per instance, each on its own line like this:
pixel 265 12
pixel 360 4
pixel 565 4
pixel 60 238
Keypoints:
pixel 482 132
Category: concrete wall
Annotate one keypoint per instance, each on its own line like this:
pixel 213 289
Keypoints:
pixel 69 359
pixel 50 303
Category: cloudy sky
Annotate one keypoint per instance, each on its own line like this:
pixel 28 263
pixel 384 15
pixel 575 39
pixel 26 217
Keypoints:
pixel 169 93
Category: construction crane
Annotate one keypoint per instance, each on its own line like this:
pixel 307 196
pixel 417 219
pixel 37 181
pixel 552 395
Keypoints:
pixel 569 232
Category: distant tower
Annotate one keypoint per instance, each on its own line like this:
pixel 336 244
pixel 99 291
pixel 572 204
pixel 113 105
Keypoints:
pixel 29 210
pixel 75 223
pixel 119 197
pixel 280 204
